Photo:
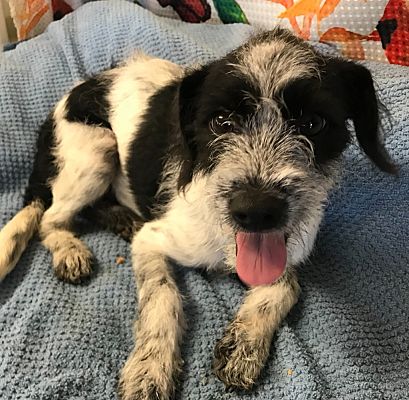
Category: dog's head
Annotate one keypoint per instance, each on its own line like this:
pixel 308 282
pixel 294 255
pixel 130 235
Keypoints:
pixel 267 125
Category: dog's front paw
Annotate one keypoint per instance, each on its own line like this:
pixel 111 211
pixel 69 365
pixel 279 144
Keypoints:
pixel 240 356
pixel 146 378
pixel 72 262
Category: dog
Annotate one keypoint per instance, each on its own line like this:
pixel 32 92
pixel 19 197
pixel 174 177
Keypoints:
pixel 226 165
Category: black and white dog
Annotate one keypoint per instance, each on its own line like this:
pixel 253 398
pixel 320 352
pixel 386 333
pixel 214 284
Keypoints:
pixel 226 166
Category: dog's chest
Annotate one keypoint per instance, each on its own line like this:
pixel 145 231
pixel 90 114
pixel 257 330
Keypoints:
pixel 197 228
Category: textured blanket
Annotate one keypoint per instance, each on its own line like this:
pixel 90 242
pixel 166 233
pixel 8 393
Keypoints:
pixel 347 338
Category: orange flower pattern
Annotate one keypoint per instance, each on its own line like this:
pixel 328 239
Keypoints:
pixel 360 29
pixel 29 16
pixel 391 30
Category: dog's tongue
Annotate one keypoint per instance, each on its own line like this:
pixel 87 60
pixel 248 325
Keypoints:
pixel 261 257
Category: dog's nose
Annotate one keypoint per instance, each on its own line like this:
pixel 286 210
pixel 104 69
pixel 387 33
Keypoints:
pixel 256 211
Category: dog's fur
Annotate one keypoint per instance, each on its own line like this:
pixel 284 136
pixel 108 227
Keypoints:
pixel 141 148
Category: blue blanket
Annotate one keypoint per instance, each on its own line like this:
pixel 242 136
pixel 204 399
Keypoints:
pixel 347 338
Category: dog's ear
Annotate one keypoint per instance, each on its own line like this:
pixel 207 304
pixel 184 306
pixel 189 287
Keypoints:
pixel 353 82
pixel 189 92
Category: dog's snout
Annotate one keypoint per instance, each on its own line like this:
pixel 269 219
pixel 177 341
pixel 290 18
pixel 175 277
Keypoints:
pixel 256 211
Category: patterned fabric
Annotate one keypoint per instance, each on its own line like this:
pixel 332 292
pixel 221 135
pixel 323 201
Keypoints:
pixel 31 17
pixel 362 30
pixel 346 339
pixel 373 30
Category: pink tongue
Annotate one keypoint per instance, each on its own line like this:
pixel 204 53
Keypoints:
pixel 261 257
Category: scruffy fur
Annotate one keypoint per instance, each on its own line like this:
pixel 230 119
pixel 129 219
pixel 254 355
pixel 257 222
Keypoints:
pixel 164 156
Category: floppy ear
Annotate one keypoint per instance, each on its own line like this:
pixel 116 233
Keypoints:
pixel 353 82
pixel 189 93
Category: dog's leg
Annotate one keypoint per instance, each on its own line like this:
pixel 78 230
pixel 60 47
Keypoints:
pixel 152 367
pixel 15 235
pixel 242 352
pixel 109 214
pixel 87 161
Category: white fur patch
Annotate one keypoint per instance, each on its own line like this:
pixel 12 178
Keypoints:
pixel 272 64
pixel 190 232
pixel 86 167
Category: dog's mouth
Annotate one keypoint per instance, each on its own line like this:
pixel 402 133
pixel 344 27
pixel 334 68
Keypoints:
pixel 261 257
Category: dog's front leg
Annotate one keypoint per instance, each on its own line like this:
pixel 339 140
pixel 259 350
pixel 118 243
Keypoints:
pixel 242 352
pixel 153 365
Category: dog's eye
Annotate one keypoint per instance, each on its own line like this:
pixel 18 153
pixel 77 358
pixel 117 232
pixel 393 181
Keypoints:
pixel 222 123
pixel 310 125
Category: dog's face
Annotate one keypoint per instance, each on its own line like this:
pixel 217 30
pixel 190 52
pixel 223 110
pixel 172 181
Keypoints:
pixel 267 125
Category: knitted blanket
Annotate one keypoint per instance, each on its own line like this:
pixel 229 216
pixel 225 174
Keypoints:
pixel 347 338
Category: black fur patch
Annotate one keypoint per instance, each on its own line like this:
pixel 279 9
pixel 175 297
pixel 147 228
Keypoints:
pixel 204 94
pixel 88 103
pixel 353 85
pixel 345 91
pixel 305 97
pixel 157 140
pixel 44 168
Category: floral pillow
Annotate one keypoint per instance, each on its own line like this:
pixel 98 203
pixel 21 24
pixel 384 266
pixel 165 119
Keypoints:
pixel 361 29
pixel 31 17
